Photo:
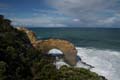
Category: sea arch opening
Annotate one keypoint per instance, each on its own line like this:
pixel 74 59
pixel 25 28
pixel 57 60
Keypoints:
pixel 58 54
pixel 55 51
pixel 68 49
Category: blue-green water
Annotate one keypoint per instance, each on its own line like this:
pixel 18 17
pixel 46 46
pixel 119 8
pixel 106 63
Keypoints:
pixel 103 38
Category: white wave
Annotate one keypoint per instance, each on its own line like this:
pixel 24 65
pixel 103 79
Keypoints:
pixel 60 63
pixel 106 62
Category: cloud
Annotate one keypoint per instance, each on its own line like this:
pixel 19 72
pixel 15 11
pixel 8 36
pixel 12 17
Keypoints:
pixel 3 5
pixel 89 12
pixel 56 25
pixel 110 20
pixel 40 21
pixel 45 11
pixel 79 7
pixel 78 13
pixel 76 20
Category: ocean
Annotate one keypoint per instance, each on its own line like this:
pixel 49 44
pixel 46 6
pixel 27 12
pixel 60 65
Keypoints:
pixel 99 47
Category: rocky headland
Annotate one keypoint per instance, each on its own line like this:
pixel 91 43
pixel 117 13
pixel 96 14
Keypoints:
pixel 23 57
pixel 44 46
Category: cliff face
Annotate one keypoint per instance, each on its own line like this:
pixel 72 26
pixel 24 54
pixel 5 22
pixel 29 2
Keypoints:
pixel 31 35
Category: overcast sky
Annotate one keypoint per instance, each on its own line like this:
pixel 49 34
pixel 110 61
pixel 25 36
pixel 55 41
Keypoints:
pixel 62 13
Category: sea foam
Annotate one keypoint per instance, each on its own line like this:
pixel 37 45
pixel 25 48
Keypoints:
pixel 105 62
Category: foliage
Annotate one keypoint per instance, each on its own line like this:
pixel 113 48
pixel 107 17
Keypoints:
pixel 68 73
pixel 3 66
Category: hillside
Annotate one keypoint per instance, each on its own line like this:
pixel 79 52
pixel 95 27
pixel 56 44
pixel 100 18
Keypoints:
pixel 19 60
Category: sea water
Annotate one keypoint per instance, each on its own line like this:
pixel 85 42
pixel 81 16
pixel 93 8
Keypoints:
pixel 99 47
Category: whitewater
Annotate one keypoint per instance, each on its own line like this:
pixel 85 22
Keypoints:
pixel 106 62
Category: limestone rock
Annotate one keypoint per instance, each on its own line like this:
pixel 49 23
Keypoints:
pixel 44 46
pixel 66 47
pixel 31 35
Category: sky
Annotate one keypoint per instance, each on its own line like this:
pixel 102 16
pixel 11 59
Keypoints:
pixel 62 13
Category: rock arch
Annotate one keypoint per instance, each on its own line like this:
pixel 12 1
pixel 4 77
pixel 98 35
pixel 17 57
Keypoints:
pixel 66 47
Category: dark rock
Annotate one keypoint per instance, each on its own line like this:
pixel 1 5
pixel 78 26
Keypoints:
pixel 103 78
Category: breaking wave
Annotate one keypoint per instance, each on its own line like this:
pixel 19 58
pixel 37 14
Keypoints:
pixel 105 62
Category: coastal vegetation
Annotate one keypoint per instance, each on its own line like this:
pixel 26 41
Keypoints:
pixel 19 60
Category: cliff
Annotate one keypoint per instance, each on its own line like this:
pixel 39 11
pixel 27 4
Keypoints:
pixel 31 35
pixel 19 60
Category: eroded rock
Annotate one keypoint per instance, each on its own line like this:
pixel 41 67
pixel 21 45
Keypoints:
pixel 44 46
pixel 66 47
pixel 31 35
